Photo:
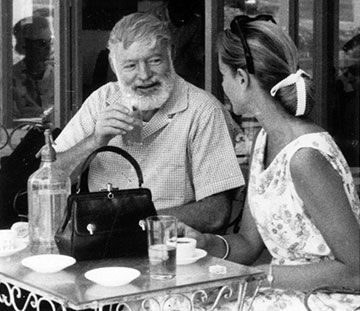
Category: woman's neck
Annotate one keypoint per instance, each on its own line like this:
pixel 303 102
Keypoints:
pixel 281 127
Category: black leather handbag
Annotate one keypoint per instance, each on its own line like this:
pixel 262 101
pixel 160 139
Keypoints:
pixel 106 224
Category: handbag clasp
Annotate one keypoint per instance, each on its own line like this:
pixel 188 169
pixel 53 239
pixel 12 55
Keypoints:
pixel 91 228
pixel 142 224
pixel 109 188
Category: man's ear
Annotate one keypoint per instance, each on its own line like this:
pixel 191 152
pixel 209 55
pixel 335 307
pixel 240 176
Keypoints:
pixel 111 64
pixel 243 77
pixel 172 51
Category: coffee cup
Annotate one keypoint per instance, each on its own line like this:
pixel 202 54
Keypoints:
pixel 185 248
pixel 21 230
pixel 7 240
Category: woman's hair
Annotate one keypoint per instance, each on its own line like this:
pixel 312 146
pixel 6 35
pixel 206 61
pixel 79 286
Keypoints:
pixel 274 55
pixel 139 27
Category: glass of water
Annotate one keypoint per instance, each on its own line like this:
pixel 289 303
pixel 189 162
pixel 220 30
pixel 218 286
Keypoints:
pixel 162 238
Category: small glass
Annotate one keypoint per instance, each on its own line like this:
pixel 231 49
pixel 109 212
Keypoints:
pixel 135 135
pixel 162 237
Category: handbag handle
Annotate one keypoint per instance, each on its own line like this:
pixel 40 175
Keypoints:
pixel 114 149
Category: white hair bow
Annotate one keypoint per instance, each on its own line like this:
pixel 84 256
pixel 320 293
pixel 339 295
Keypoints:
pixel 300 88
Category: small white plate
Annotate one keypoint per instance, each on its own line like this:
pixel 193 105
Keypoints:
pixel 112 276
pixel 19 246
pixel 199 253
pixel 48 263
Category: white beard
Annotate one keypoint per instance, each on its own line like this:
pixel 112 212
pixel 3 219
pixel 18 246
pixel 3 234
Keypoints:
pixel 152 101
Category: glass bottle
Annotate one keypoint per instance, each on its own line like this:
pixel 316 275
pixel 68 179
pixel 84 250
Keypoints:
pixel 48 190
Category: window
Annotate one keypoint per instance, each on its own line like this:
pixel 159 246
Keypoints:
pixel 32 61
pixel 345 117
pixel 27 62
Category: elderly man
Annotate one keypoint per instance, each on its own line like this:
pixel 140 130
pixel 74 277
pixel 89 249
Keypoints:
pixel 186 155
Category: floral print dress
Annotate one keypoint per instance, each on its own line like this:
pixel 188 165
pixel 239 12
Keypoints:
pixel 287 231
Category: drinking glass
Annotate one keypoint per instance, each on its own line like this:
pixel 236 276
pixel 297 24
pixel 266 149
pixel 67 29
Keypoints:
pixel 135 135
pixel 162 237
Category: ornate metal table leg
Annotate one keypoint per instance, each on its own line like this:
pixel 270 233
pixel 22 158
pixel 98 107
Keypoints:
pixel 255 293
pixel 32 300
pixel 241 295
pixel 242 291
pixel 225 292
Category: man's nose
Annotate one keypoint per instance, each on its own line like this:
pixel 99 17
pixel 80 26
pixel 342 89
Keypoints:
pixel 144 71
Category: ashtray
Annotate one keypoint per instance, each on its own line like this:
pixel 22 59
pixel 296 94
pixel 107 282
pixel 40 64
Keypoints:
pixel 48 263
pixel 112 276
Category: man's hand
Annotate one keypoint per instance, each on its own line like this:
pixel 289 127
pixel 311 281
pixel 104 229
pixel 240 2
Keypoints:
pixel 112 121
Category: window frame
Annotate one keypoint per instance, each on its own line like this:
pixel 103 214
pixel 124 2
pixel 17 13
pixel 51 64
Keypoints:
pixel 325 29
pixel 6 110
pixel 68 75
pixel 64 89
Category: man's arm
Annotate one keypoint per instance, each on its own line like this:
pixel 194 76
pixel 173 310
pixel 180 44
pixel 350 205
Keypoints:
pixel 70 161
pixel 215 173
pixel 111 122
pixel 210 214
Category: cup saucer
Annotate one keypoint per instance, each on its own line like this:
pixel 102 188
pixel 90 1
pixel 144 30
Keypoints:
pixel 199 253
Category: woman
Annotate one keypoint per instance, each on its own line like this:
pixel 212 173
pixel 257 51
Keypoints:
pixel 301 203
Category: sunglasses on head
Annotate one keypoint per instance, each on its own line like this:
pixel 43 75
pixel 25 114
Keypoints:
pixel 235 27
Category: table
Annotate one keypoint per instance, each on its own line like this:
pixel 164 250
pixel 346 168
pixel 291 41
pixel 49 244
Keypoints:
pixel 70 289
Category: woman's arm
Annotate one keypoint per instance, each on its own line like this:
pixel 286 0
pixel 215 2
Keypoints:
pixel 321 189
pixel 245 247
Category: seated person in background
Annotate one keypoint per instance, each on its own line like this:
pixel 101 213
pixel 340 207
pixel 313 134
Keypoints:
pixel 301 201
pixel 187 155
pixel 33 76
pixel 187 29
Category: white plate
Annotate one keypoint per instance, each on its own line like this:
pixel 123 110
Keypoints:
pixel 19 246
pixel 112 276
pixel 48 263
pixel 199 253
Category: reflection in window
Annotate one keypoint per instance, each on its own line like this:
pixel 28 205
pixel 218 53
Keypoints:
pixel 33 61
pixel 346 112
pixel 306 18
pixel 277 8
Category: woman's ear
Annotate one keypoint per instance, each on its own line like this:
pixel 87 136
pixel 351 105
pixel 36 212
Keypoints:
pixel 243 77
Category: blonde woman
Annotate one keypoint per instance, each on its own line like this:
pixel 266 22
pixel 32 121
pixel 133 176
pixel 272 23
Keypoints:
pixel 301 203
